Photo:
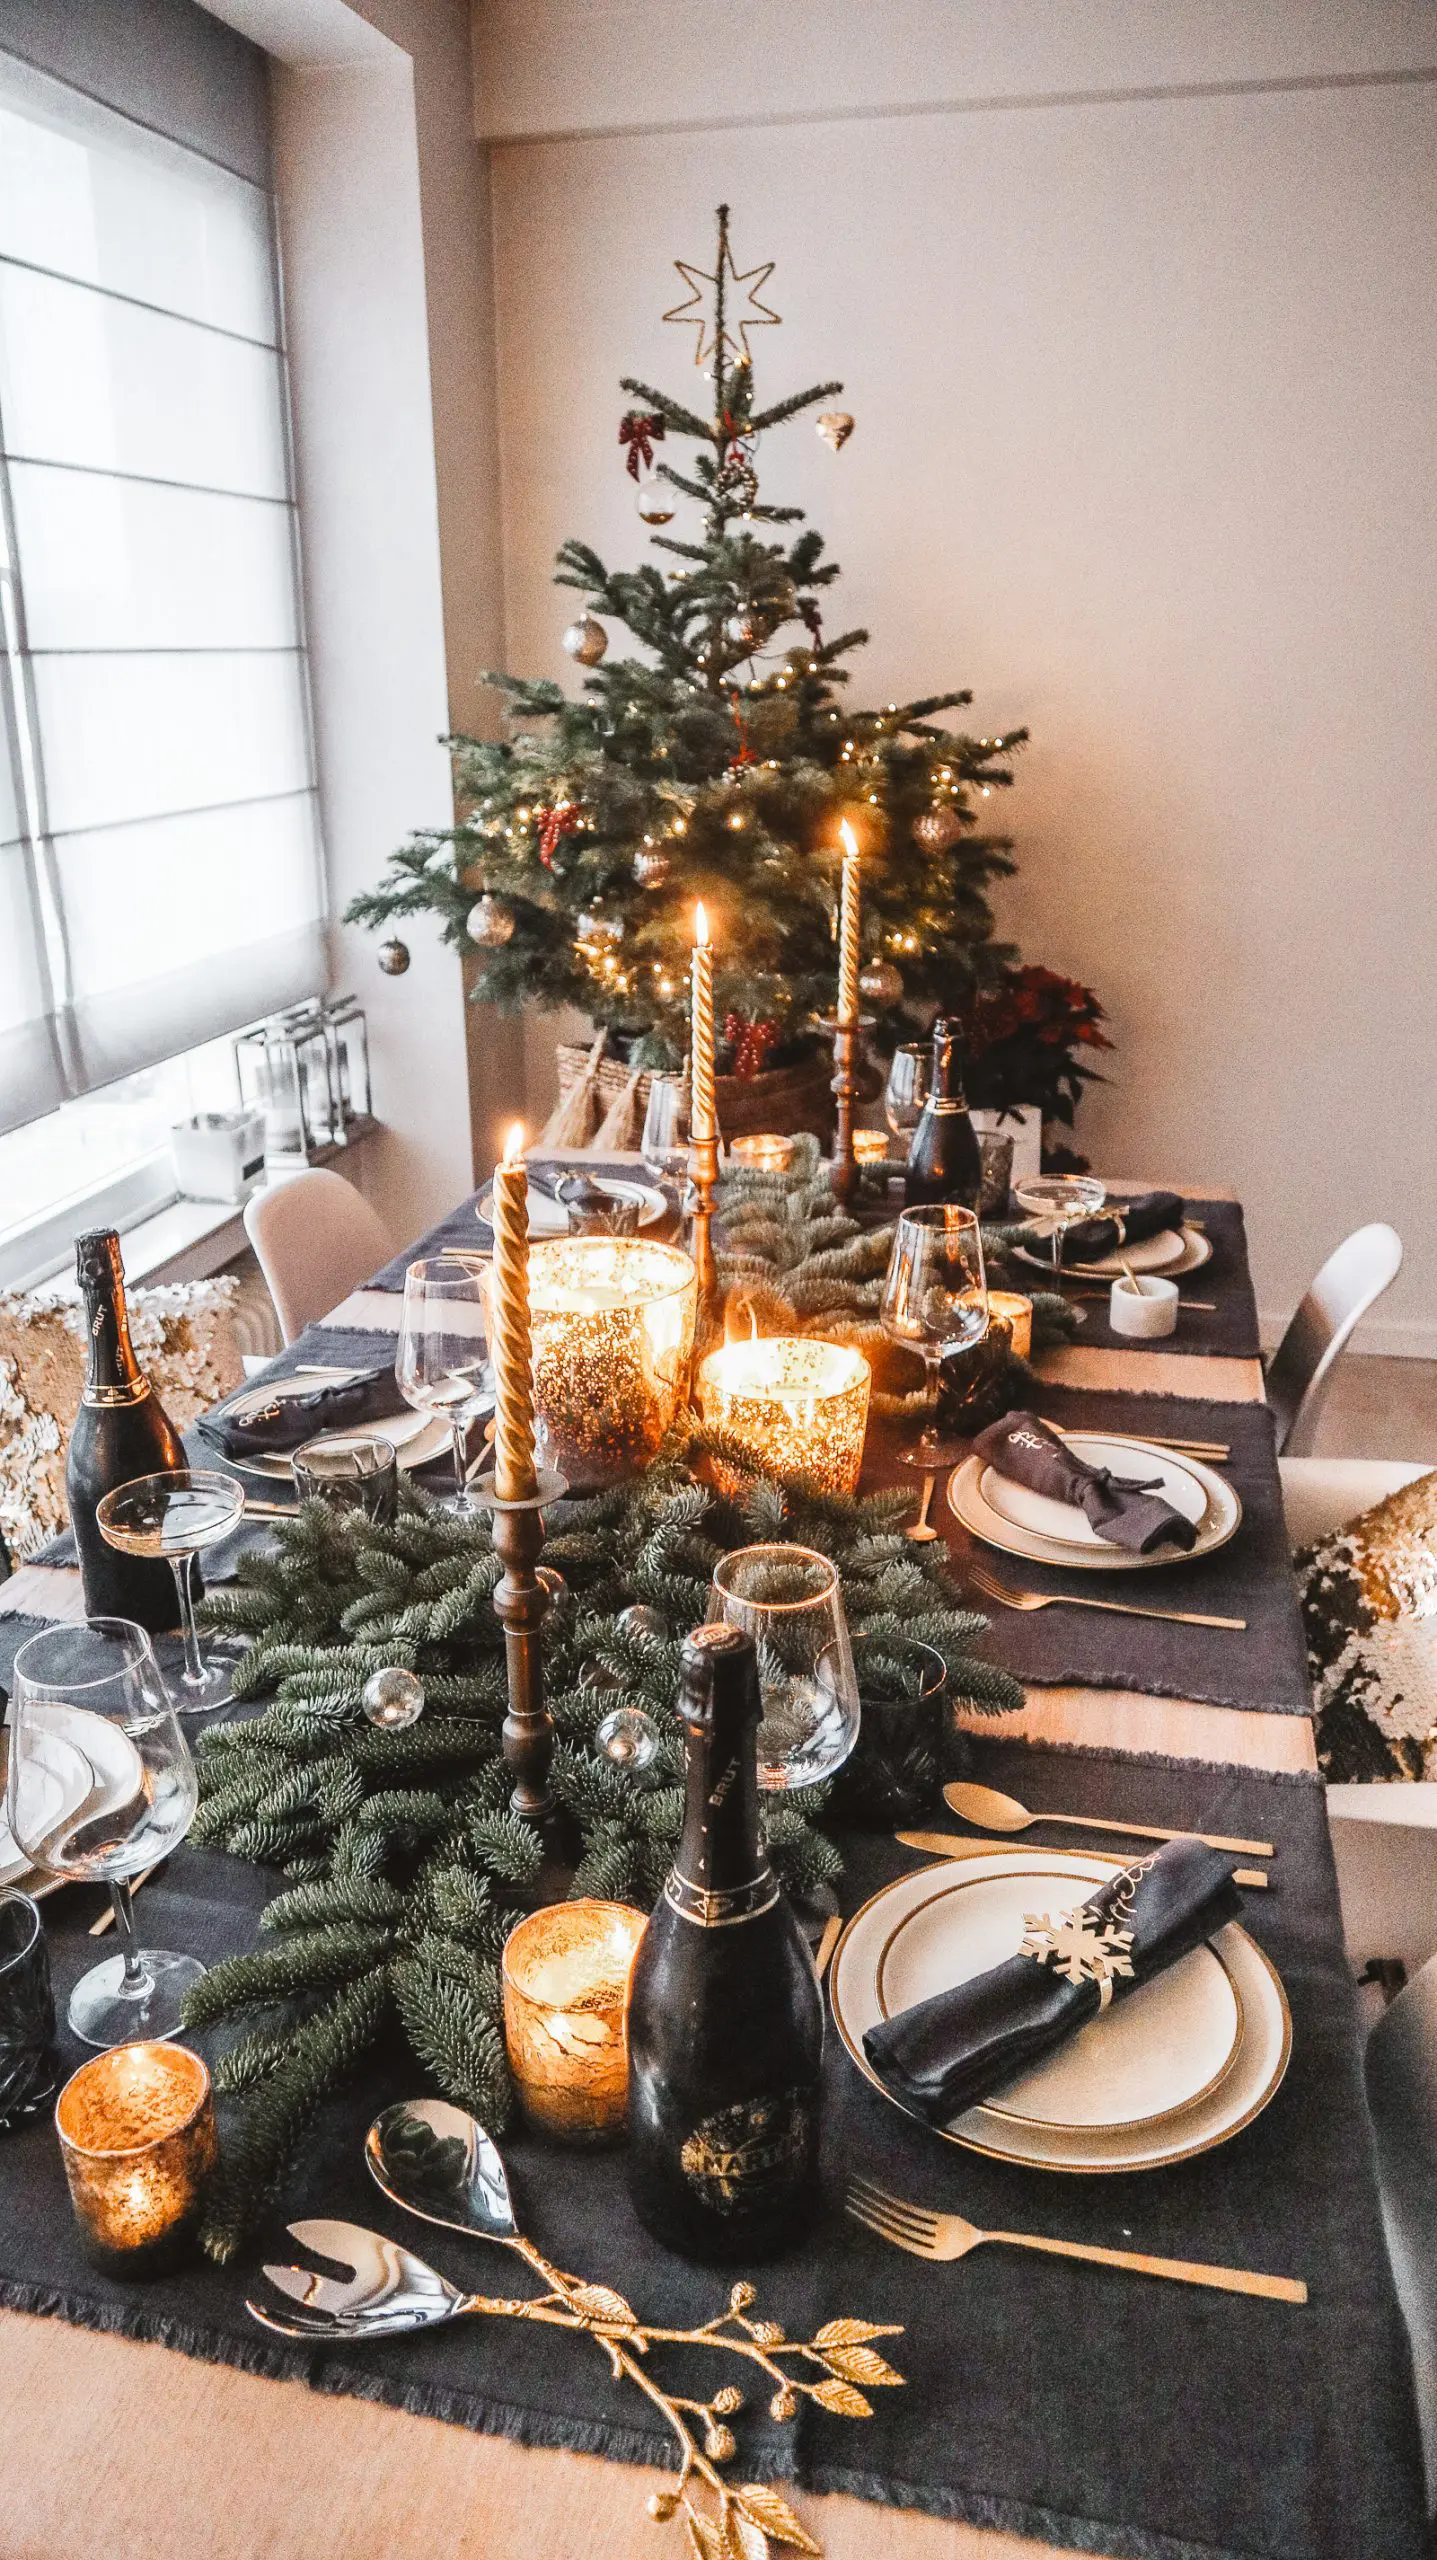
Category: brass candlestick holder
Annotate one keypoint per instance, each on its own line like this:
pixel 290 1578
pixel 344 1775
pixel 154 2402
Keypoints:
pixel 845 1037
pixel 521 1604
pixel 704 1169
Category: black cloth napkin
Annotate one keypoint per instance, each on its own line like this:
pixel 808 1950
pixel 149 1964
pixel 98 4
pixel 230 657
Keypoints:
pixel 285 1422
pixel 948 2052
pixel 1124 1222
pixel 1124 1510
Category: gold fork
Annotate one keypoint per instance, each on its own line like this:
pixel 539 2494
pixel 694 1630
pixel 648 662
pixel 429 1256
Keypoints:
pixel 946 2235
pixel 1029 1600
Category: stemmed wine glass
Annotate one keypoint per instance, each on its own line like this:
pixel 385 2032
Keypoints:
pixel 1059 1201
pixel 910 1073
pixel 101 1786
pixel 935 1298
pixel 788 1599
pixel 174 1514
pixel 442 1366
pixel 664 1145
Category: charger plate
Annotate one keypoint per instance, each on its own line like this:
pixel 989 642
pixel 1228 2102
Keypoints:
pixel 954 1929
pixel 1172 1253
pixel 1020 1522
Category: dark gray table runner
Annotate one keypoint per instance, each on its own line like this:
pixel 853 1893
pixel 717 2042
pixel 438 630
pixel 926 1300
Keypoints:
pixel 1231 1331
pixel 464 1231
pixel 1097 2411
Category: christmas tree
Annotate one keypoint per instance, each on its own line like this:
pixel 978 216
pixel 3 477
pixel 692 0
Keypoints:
pixel 716 764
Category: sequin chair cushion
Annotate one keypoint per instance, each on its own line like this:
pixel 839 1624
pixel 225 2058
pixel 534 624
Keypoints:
pixel 1369 1607
pixel 184 1336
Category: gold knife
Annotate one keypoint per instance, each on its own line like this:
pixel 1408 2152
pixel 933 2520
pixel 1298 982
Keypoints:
pixel 946 1844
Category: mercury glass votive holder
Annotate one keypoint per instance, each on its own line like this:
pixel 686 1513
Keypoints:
pixel 612 1319
pixel 351 1471
pixel 764 1152
pixel 1006 1307
pixel 137 2135
pixel 801 1406
pixel 870 1146
pixel 566 1976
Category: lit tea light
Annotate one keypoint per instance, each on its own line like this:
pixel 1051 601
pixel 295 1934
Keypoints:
pixel 800 1406
pixel 566 1976
pixel 1005 1306
pixel 870 1146
pixel 137 2135
pixel 764 1154
pixel 612 1321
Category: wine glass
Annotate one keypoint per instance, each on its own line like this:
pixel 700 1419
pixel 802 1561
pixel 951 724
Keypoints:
pixel 788 1599
pixel 442 1366
pixel 935 1297
pixel 174 1514
pixel 1059 1201
pixel 910 1074
pixel 101 1786
pixel 664 1145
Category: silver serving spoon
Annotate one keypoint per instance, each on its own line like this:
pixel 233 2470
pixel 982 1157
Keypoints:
pixel 996 1812
pixel 435 2160
pixel 383 2290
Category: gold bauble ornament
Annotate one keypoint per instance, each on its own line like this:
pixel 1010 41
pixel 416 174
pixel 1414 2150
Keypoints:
pixel 835 426
pixel 490 923
pixel 586 640
pixel 654 501
pixel 652 866
pixel 880 982
pixel 394 957
pixel 938 828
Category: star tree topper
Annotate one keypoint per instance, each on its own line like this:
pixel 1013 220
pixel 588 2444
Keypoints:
pixel 713 330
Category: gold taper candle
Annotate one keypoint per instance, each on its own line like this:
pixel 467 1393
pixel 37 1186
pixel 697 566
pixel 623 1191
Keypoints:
pixel 703 1116
pixel 514 1479
pixel 848 929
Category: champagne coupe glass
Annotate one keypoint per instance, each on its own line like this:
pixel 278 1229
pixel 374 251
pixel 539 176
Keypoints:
pixel 442 1365
pixel 910 1074
pixel 935 1297
pixel 174 1514
pixel 101 1786
pixel 788 1599
pixel 664 1145
pixel 1059 1201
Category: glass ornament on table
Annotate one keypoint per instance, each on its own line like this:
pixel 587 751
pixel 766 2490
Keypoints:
pixel 100 1788
pixel 935 1300
pixel 664 1145
pixel 443 1366
pixel 1058 1201
pixel 910 1071
pixel 789 1600
pixel 174 1514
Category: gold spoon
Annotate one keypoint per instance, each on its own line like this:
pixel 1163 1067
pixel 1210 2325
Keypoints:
pixel 985 1805
pixel 922 1529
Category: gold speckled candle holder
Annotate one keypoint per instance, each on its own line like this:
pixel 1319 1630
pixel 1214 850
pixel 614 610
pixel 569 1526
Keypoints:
pixel 799 1405
pixel 566 1976
pixel 137 2135
pixel 612 1320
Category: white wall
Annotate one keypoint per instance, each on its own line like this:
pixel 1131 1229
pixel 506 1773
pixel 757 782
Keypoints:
pixel 1135 311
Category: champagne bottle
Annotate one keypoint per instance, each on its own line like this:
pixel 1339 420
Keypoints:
pixel 945 1161
pixel 121 1431
pixel 725 2016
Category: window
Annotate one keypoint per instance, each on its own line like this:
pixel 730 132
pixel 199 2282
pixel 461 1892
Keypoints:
pixel 160 881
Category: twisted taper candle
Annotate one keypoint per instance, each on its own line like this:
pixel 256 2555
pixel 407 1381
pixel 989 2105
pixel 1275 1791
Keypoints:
pixel 848 929
pixel 703 1116
pixel 514 1479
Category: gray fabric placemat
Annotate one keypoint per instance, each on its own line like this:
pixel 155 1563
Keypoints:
pixel 1095 2410
pixel 1231 1331
pixel 465 1231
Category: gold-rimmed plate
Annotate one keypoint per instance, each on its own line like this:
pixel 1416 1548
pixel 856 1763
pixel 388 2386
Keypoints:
pixel 1212 2117
pixel 1059 1534
pixel 1172 1252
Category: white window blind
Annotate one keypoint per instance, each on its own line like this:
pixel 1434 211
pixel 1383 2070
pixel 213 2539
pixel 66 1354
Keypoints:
pixel 160 880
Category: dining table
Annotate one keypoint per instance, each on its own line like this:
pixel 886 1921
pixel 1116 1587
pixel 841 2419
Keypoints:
pixel 1046 2408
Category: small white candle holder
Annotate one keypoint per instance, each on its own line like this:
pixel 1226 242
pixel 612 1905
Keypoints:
pixel 1145 1307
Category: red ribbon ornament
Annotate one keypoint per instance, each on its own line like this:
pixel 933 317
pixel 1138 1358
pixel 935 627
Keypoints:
pixel 640 433
pixel 554 823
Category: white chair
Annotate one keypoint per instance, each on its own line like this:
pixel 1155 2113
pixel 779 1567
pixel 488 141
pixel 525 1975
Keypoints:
pixel 1402 2098
pixel 1323 1494
pixel 315 1239
pixel 1300 1371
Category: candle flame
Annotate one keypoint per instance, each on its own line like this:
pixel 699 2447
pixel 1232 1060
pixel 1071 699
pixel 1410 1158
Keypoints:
pixel 850 840
pixel 514 1144
pixel 701 926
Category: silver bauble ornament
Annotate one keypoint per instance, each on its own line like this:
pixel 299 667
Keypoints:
pixel 393 1699
pixel 597 1675
pixel 490 923
pixel 749 629
pixel 394 957
pixel 654 501
pixel 642 1620
pixel 592 927
pixel 835 426
pixel 586 640
pixel 880 982
pixel 552 1580
pixel 652 866
pixel 628 1737
pixel 938 828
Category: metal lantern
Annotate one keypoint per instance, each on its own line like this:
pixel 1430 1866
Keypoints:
pixel 284 1066
pixel 348 1036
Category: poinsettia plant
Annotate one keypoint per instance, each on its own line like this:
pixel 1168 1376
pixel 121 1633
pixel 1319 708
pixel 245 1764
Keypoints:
pixel 1030 1040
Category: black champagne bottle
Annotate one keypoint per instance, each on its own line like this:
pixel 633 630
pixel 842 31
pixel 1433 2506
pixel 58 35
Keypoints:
pixel 726 2016
pixel 121 1431
pixel 945 1161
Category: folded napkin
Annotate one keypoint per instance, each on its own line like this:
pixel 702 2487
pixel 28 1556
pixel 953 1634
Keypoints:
pixel 1123 1222
pixel 285 1421
pixel 944 2055
pixel 1124 1510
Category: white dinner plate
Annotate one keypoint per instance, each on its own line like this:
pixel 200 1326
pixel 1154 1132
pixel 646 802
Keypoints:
pixel 416 1438
pixel 1028 1524
pixel 54 1782
pixel 1057 1880
pixel 550 1218
pixel 1172 1254
pixel 81 1766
